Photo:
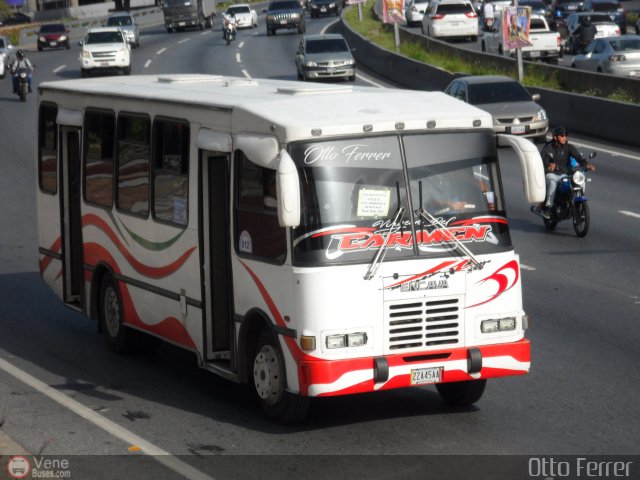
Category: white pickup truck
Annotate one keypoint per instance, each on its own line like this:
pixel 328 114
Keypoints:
pixel 546 44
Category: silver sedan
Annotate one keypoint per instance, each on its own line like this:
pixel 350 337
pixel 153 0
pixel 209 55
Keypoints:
pixel 618 55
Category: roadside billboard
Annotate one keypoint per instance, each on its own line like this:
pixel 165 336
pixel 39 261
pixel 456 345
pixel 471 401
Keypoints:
pixel 516 35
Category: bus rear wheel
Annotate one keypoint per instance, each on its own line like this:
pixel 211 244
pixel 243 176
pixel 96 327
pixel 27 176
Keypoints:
pixel 117 335
pixel 461 394
pixel 269 383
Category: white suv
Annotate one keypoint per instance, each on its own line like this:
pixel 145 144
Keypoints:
pixel 451 19
pixel 105 48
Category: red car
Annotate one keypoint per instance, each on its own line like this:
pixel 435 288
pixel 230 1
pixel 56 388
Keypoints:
pixel 53 35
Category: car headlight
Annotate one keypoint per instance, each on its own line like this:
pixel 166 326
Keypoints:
pixel 295 15
pixel 332 5
pixel 310 64
pixel 62 38
pixel 42 39
pixel 579 178
pixel 350 62
pixel 86 54
pixel 541 115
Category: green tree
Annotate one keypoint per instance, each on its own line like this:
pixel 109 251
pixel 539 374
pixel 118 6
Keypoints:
pixel 5 11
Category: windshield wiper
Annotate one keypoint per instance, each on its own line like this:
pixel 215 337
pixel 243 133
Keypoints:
pixel 461 247
pixel 382 251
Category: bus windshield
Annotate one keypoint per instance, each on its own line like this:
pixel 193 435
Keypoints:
pixel 353 188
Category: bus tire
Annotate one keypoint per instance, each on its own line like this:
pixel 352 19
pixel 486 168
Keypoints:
pixel 269 383
pixel 461 394
pixel 116 334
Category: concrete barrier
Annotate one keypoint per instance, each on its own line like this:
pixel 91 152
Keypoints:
pixel 596 117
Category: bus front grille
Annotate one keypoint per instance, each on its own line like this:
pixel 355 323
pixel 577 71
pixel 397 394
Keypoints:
pixel 423 324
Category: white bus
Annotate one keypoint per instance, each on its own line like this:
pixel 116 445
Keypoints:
pixel 308 239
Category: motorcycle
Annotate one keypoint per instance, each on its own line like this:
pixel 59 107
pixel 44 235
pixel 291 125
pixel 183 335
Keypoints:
pixel 229 31
pixel 23 83
pixel 569 201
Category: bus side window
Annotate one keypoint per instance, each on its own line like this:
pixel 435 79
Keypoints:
pixel 133 159
pixel 99 136
pixel 257 232
pixel 47 153
pixel 170 171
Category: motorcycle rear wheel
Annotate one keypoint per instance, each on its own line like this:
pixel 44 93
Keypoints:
pixel 581 219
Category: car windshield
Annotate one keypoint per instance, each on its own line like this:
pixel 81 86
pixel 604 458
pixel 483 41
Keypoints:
pixel 119 21
pixel 600 19
pixel 104 37
pixel 352 189
pixel 52 28
pixel 331 45
pixel 177 3
pixel 454 8
pixel 497 92
pixel 236 10
pixel 605 6
pixel 537 24
pixel 625 44
pixel 292 5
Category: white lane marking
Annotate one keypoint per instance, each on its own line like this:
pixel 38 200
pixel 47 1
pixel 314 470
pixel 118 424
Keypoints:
pixel 161 51
pixel 368 80
pixel 61 67
pixel 241 44
pixel 130 438
pixel 147 63
pixel 184 40
pixel 246 74
pixel 238 58
pixel 527 267
pixel 630 214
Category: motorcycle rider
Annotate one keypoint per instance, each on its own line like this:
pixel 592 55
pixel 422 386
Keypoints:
pixel 21 61
pixel 229 18
pixel 584 33
pixel 556 157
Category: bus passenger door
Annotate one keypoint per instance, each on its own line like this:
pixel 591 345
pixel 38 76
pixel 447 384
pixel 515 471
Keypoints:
pixel 216 258
pixel 71 215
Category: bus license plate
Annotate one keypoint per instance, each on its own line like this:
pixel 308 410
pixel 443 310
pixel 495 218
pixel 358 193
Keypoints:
pixel 518 129
pixel 424 376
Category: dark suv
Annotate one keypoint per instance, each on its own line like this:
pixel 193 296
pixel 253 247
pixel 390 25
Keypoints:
pixel 613 8
pixel 285 14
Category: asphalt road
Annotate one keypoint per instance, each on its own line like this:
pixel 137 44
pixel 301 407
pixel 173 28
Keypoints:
pixel 583 296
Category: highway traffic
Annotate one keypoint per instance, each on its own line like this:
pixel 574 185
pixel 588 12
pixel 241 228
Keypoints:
pixel 63 393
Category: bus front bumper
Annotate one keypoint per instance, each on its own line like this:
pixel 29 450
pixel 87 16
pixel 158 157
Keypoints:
pixel 360 375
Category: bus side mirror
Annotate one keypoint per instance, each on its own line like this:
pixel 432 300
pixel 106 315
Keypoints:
pixel 531 164
pixel 288 191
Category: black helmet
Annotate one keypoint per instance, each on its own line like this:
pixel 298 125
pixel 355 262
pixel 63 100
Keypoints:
pixel 559 131
pixel 20 54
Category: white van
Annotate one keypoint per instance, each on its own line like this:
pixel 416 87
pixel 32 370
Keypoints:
pixel 451 19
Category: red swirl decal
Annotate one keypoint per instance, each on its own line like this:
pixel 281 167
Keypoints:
pixel 504 284
pixel 146 270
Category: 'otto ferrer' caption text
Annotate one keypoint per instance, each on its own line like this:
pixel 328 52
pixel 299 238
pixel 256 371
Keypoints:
pixel 579 467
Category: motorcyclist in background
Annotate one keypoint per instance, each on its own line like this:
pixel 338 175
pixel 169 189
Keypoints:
pixel 556 156
pixel 21 61
pixel 229 18
pixel 584 33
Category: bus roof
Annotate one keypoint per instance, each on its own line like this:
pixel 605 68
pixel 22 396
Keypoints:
pixel 293 108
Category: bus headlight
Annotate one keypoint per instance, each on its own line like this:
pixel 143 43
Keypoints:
pixel 501 325
pixel 345 340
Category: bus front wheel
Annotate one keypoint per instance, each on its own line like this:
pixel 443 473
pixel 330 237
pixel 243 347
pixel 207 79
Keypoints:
pixel 461 394
pixel 269 383
pixel 116 333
